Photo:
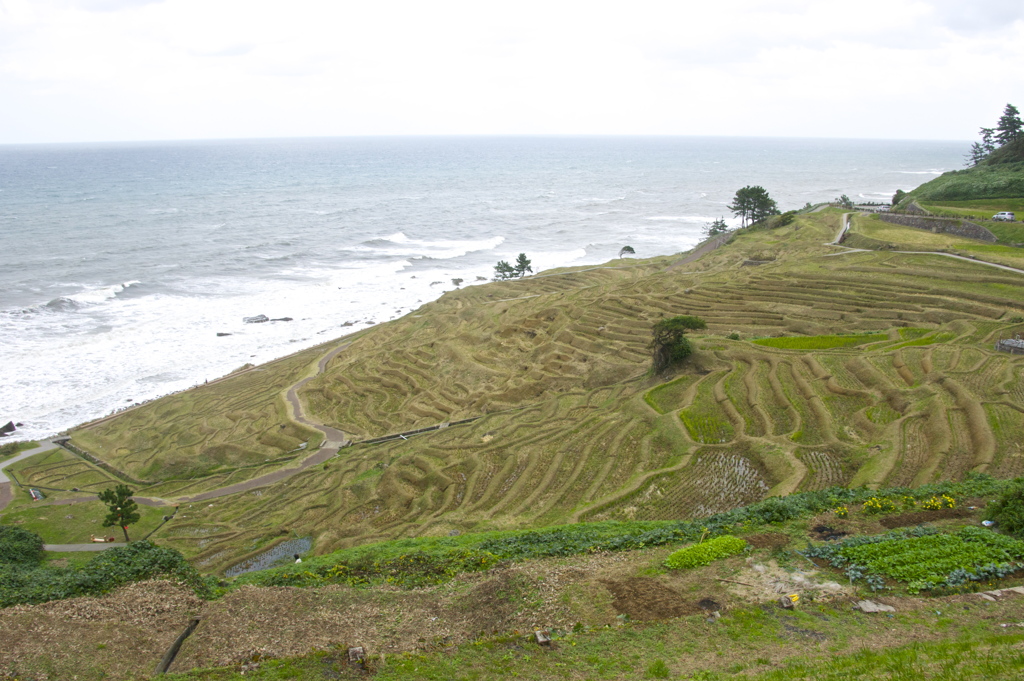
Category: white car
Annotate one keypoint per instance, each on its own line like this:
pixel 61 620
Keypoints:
pixel 1005 216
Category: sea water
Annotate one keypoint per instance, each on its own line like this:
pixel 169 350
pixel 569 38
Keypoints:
pixel 126 269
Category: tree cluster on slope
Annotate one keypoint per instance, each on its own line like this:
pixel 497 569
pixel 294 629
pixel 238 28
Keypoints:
pixel 1008 128
pixel 753 204
pixel 503 270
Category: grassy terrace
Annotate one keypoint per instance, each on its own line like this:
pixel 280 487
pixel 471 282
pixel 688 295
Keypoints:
pixel 573 426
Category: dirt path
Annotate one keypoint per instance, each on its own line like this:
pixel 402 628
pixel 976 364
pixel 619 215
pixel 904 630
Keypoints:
pixel 95 546
pixel 334 440
pixel 700 252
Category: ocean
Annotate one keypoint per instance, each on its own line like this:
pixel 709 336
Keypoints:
pixel 121 263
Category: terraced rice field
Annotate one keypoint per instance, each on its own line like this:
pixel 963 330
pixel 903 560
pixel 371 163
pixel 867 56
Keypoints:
pixel 572 425
pixel 226 425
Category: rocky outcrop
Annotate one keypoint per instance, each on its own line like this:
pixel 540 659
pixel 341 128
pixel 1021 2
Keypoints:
pixel 258 319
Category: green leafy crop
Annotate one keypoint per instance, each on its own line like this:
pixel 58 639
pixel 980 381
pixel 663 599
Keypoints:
pixel 705 553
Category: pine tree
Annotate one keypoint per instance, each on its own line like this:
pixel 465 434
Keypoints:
pixel 668 340
pixel 987 139
pixel 123 510
pixel 761 205
pixel 715 228
pixel 523 265
pixel 975 156
pixel 741 205
pixel 1010 125
pixel 503 270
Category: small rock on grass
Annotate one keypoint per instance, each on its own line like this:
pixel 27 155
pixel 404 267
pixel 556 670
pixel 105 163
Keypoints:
pixel 871 606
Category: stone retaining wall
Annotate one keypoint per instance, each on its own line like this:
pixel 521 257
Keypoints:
pixel 942 225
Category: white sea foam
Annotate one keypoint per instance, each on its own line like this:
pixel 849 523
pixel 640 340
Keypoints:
pixel 679 218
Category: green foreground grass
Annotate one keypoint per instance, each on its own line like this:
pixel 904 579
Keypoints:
pixel 818 642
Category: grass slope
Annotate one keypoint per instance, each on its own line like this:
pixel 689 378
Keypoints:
pixel 985 181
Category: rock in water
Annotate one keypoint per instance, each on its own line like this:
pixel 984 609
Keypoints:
pixel 9 428
pixel 282 319
pixel 258 319
pixel 221 333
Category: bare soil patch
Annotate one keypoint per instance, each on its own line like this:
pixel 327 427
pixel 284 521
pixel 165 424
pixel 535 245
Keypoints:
pixel 917 517
pixel 643 598
pixel 827 533
pixel 121 634
pixel 768 540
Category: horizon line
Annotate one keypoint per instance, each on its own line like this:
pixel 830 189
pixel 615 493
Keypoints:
pixel 192 140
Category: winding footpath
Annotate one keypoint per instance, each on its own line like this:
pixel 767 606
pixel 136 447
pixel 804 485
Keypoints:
pixel 334 440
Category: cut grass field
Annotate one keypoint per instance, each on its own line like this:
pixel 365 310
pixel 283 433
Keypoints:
pixel 73 524
pixel 984 208
pixel 571 424
pixel 871 233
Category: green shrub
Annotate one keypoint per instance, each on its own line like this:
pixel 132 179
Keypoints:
pixel 108 570
pixel 1008 510
pixel 20 546
pixel 733 336
pixel 658 670
pixel 705 553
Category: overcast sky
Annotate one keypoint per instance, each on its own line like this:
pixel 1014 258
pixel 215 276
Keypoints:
pixel 97 70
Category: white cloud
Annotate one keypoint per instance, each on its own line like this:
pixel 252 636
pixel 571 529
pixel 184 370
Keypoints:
pixel 132 69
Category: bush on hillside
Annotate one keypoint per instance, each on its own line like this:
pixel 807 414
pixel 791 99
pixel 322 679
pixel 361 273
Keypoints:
pixel 1008 510
pixel 108 570
pixel 705 553
pixel 20 547
pixel 668 340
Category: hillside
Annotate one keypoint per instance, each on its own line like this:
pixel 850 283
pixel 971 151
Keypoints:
pixel 569 425
pixel 1000 176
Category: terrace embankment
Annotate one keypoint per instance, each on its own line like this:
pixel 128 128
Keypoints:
pixel 572 425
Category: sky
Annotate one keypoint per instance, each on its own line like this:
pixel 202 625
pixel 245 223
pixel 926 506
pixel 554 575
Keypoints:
pixel 111 70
